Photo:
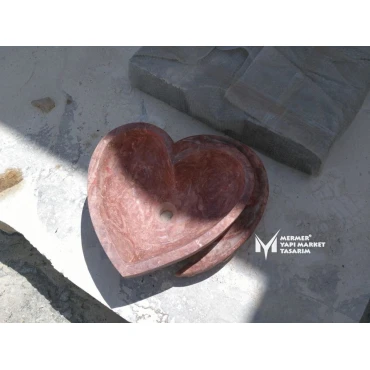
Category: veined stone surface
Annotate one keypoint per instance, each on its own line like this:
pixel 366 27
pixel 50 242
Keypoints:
pixel 154 202
pixel 242 229
pixel 52 150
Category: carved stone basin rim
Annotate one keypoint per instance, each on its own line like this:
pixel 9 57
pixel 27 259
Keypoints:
pixel 154 202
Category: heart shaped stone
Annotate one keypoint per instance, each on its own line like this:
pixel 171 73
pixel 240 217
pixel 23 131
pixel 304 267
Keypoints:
pixel 224 248
pixel 154 202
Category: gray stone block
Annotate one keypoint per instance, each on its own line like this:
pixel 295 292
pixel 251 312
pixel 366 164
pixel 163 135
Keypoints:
pixel 290 103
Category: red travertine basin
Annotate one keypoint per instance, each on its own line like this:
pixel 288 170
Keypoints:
pixel 224 248
pixel 154 202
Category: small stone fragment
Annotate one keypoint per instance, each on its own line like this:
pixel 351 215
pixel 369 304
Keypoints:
pixel 11 177
pixel 45 104
pixel 6 228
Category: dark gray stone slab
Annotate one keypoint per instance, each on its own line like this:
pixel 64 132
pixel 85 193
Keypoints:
pixel 289 102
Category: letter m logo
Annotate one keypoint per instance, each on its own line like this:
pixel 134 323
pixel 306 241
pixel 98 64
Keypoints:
pixel 271 244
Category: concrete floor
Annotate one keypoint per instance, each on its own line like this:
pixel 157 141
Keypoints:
pixel 31 290
pixel 93 95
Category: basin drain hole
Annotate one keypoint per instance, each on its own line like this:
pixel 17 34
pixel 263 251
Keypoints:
pixel 166 215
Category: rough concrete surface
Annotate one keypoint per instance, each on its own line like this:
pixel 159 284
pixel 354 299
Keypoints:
pixel 31 290
pixel 92 95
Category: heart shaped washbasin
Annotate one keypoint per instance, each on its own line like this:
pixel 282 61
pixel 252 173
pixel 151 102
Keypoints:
pixel 225 246
pixel 153 203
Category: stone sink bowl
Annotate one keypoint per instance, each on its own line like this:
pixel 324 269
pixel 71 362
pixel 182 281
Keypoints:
pixel 154 202
pixel 241 230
